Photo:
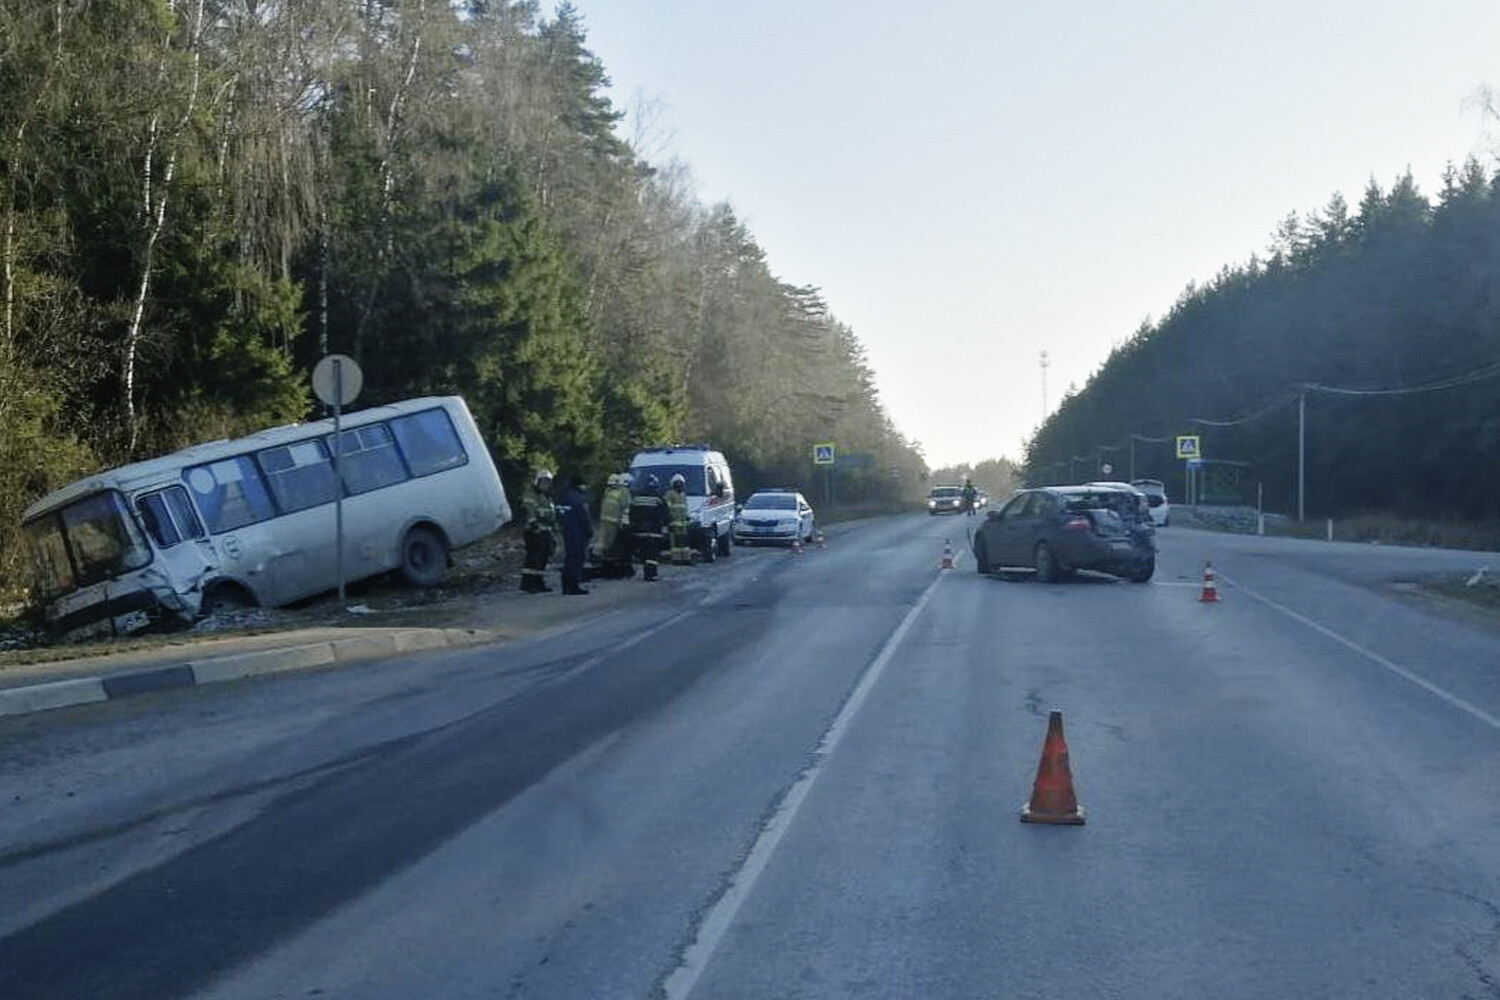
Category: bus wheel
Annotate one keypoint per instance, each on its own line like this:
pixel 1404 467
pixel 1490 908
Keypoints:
pixel 225 598
pixel 424 558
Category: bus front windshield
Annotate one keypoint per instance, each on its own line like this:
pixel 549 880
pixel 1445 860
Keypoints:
pixel 85 542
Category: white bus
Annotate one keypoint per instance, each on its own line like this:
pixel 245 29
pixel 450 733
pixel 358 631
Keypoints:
pixel 251 521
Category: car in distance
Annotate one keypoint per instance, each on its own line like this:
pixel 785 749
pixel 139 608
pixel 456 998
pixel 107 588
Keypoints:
pixel 1057 530
pixel 945 500
pixel 775 515
pixel 1142 503
pixel 1156 496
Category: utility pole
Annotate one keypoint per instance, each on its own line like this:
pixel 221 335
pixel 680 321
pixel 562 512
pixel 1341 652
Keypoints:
pixel 1302 455
pixel 1045 363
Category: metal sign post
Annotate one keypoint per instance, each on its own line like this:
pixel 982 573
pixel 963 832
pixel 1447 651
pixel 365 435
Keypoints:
pixel 337 380
pixel 824 455
pixel 338 474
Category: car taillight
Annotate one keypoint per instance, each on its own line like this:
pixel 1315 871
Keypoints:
pixel 1078 523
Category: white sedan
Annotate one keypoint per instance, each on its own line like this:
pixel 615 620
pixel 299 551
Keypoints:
pixel 774 516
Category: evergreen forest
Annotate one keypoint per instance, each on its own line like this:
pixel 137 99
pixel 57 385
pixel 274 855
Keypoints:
pixel 201 198
pixel 1367 337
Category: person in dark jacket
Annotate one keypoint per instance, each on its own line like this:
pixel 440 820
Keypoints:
pixel 577 529
pixel 648 525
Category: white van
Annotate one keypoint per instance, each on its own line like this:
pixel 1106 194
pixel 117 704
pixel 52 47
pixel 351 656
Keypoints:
pixel 710 491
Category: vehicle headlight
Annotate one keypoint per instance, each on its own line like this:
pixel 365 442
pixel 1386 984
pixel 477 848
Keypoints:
pixel 932 503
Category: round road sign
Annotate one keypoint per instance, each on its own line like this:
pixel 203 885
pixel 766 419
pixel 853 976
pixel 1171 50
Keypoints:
pixel 342 369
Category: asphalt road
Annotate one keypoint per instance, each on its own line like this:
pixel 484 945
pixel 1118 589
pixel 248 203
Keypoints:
pixel 800 777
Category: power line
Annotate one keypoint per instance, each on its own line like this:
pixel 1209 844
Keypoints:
pixel 1266 410
pixel 1452 382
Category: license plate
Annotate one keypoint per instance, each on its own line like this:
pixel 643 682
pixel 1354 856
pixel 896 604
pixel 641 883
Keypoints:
pixel 132 621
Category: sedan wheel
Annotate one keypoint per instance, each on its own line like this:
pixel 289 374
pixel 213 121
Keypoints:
pixel 1047 569
pixel 981 555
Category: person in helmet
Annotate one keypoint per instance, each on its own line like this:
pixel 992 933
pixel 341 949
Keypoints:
pixel 648 524
pixel 970 494
pixel 612 510
pixel 677 504
pixel 540 532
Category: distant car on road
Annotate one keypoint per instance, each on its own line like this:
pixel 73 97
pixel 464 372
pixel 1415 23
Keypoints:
pixel 775 516
pixel 1056 530
pixel 945 500
pixel 1156 496
pixel 1142 506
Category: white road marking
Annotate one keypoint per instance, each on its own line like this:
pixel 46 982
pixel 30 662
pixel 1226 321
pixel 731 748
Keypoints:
pixel 620 647
pixel 1395 668
pixel 679 985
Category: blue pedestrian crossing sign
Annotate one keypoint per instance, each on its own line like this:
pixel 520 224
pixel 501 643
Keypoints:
pixel 823 453
pixel 1187 446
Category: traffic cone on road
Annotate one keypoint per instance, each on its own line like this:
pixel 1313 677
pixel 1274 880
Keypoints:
pixel 1210 593
pixel 822 541
pixel 947 562
pixel 1052 797
pixel 797 546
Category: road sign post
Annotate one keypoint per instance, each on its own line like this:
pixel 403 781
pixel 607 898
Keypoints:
pixel 1189 449
pixel 337 380
pixel 824 455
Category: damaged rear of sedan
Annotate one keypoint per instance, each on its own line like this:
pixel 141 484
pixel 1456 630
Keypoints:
pixel 1058 530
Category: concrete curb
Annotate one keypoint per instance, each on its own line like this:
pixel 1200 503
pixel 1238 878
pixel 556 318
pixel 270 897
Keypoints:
pixel 212 670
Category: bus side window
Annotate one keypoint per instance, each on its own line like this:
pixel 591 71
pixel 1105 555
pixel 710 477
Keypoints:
pixel 230 493
pixel 169 516
pixel 186 518
pixel 301 475
pixel 428 442
pixel 369 460
pixel 159 526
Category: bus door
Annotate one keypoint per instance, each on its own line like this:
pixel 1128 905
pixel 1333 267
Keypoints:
pixel 184 551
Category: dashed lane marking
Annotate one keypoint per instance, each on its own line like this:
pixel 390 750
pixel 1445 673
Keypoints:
pixel 680 983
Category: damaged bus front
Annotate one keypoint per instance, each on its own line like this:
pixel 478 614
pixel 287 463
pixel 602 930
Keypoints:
pixel 95 571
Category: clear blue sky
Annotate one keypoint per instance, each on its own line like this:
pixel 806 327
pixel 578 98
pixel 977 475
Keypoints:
pixel 973 182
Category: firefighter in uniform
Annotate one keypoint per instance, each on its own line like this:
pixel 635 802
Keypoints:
pixel 648 525
pixel 612 509
pixel 540 533
pixel 970 495
pixel 677 503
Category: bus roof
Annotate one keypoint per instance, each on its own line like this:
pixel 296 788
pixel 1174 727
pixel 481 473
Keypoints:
pixel 167 467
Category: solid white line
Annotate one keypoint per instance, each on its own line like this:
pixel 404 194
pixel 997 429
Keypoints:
pixel 620 647
pixel 679 985
pixel 1395 668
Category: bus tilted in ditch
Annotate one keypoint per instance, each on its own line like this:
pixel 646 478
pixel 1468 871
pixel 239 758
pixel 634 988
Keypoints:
pixel 251 521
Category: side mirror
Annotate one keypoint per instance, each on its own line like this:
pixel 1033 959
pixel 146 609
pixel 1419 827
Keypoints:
pixel 993 515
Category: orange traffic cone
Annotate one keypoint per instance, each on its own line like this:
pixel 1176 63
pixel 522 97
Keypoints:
pixel 1052 798
pixel 822 541
pixel 797 546
pixel 1210 593
pixel 947 562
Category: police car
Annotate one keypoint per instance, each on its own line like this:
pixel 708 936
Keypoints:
pixel 774 515
pixel 709 487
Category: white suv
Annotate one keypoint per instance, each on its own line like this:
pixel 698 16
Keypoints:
pixel 710 491
pixel 1156 497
